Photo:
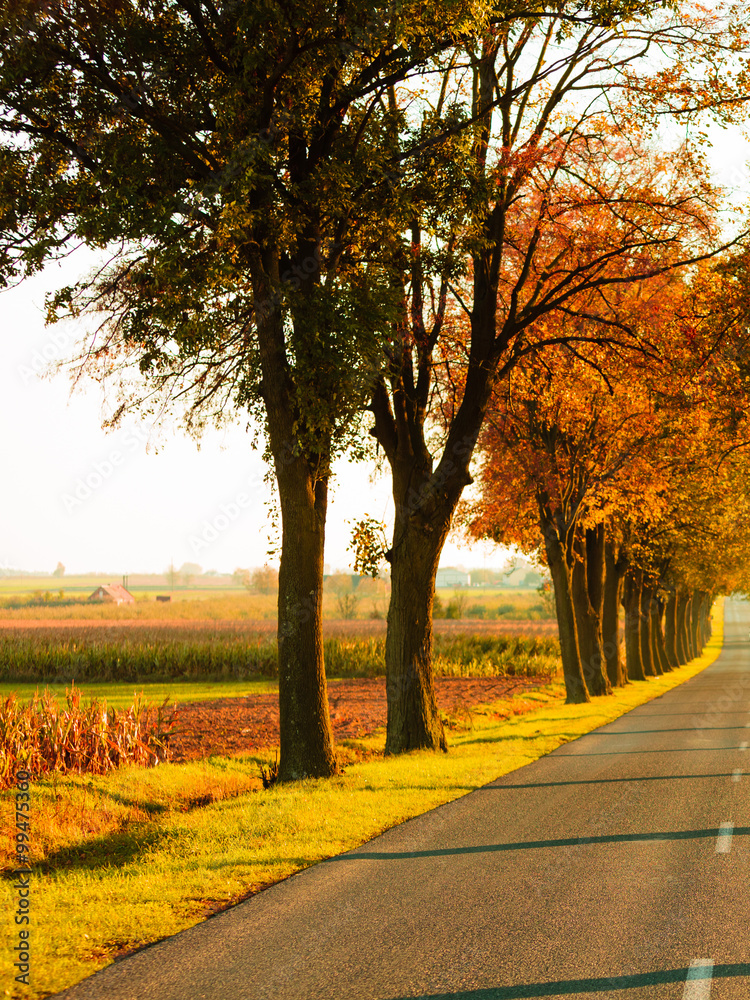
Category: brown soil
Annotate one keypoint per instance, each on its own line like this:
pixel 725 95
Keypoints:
pixel 228 726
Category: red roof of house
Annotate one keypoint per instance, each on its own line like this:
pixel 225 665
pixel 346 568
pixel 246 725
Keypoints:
pixel 115 591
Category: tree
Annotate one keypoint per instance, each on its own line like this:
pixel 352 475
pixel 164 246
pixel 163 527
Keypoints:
pixel 59 570
pixel 265 580
pixel 243 165
pixel 189 570
pixel 241 577
pixel 234 161
pixel 560 452
pixel 584 449
pixel 561 197
pixel 699 545
pixel 671 499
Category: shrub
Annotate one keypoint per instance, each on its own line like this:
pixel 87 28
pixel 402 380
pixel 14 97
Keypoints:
pixel 354 657
pixel 456 606
pixel 495 656
pixel 265 580
pixel 135 654
pixel 347 605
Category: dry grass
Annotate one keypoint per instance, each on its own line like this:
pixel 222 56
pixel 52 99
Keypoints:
pixel 369 600
pixel 45 737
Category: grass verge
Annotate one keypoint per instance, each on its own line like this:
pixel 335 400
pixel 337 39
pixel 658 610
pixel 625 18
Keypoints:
pixel 120 694
pixel 182 841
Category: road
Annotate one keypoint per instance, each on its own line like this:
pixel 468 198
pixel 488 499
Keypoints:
pixel 617 867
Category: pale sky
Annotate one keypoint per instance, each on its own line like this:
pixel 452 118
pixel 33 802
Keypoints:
pixel 132 500
pixel 111 502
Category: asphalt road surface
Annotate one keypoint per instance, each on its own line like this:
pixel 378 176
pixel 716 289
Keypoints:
pixel 615 867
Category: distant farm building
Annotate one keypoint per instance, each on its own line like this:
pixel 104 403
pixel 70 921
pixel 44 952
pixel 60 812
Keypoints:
pixel 450 577
pixel 112 593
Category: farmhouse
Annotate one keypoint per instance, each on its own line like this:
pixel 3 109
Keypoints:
pixel 113 593
pixel 450 577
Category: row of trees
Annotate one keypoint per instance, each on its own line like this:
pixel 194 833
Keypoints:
pixel 632 471
pixel 317 213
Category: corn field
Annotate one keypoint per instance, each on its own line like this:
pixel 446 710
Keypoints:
pixel 132 654
pixel 43 736
pixel 143 654
pixel 453 656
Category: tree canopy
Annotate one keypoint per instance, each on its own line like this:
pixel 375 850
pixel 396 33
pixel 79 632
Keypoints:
pixel 643 453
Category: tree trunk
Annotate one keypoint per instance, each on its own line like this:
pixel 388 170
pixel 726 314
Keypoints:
pixel 413 715
pixel 681 618
pixel 631 599
pixel 690 643
pixel 558 545
pixel 611 617
pixel 586 579
pixel 659 650
pixel 305 735
pixel 425 500
pixel 697 612
pixel 575 685
pixel 707 627
pixel 658 668
pixel 670 630
pixel 305 732
pixel 650 666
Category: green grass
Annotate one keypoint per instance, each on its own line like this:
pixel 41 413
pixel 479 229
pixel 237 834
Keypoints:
pixel 119 694
pixel 157 865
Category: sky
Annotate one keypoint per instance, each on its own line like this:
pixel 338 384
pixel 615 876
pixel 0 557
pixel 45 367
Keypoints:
pixel 139 498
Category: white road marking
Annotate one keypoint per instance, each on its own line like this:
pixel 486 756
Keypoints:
pixel 743 746
pixel 737 774
pixel 747 725
pixel 698 982
pixel 724 840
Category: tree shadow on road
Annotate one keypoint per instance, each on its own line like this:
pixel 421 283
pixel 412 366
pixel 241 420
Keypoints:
pixel 568 987
pixel 530 845
pixel 497 787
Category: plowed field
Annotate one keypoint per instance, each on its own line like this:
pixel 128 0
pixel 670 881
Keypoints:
pixel 228 726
